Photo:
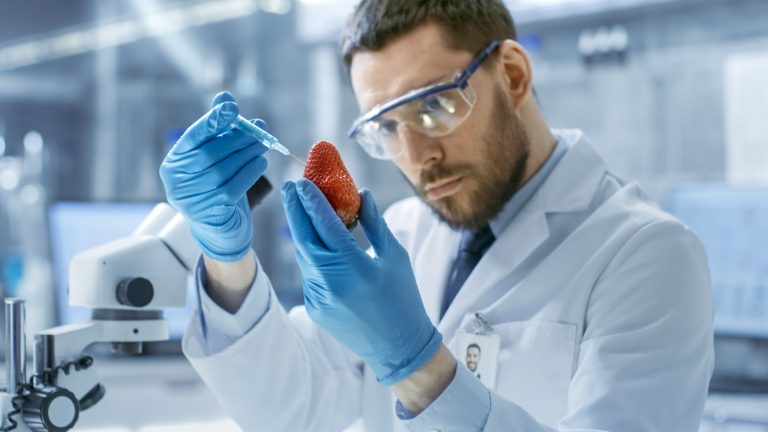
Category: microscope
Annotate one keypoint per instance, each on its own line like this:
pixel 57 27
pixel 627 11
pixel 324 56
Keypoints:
pixel 127 283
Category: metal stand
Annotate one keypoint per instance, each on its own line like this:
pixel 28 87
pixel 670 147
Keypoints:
pixel 30 406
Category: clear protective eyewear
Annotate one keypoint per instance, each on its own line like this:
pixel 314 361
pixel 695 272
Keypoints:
pixel 434 111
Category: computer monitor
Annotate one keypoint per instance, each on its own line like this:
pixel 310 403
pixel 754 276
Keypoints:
pixel 77 226
pixel 732 222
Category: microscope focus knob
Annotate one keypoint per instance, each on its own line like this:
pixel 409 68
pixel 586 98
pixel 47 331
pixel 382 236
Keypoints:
pixel 135 292
pixel 50 409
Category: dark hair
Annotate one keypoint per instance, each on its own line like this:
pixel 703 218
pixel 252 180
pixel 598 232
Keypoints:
pixel 474 345
pixel 468 25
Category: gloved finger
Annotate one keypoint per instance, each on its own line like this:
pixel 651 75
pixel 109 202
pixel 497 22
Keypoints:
pixel 213 123
pixel 221 172
pixel 222 97
pixel 242 180
pixel 327 223
pixel 373 224
pixel 304 236
pixel 261 124
pixel 220 148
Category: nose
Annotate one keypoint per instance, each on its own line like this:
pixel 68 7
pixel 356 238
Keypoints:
pixel 419 150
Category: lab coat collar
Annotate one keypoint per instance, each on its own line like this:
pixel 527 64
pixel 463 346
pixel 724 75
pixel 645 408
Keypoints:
pixel 516 203
pixel 573 183
pixel 569 188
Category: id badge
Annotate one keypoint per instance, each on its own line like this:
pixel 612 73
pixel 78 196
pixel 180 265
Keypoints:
pixel 479 351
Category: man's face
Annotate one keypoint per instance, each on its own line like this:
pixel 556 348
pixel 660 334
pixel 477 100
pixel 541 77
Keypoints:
pixel 467 175
pixel 473 358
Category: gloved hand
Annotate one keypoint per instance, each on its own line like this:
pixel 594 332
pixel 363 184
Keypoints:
pixel 206 175
pixel 370 304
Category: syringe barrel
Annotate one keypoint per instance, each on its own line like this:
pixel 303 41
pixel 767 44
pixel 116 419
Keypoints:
pixel 15 344
pixel 251 129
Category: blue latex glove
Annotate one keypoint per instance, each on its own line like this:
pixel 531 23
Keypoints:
pixel 370 304
pixel 206 175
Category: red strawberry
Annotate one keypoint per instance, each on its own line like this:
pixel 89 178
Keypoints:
pixel 326 169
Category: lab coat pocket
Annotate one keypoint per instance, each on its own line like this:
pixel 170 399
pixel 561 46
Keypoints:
pixel 535 366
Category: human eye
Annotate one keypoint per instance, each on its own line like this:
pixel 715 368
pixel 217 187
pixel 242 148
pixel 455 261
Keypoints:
pixel 387 127
pixel 441 103
pixel 431 104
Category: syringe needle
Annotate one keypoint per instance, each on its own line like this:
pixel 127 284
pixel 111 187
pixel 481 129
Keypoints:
pixel 297 158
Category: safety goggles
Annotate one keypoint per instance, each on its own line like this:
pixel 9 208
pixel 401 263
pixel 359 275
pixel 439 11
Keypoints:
pixel 435 110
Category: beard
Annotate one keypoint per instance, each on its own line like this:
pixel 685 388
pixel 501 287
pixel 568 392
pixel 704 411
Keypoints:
pixel 503 151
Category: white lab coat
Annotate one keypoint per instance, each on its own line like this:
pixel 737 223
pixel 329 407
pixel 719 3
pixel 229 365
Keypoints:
pixel 611 331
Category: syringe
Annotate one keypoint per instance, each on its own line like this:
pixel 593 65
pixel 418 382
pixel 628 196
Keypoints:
pixel 262 136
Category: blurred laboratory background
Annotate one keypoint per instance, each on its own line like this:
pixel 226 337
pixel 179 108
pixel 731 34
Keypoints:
pixel 94 92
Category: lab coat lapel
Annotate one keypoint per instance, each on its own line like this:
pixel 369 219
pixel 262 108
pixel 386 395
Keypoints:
pixel 569 188
pixel 520 239
pixel 432 265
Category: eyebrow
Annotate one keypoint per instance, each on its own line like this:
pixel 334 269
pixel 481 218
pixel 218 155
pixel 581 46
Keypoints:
pixel 430 82
pixel 423 84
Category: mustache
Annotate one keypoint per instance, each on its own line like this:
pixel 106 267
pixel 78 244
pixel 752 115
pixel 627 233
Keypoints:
pixel 440 172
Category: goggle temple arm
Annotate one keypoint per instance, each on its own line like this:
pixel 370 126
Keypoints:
pixel 463 79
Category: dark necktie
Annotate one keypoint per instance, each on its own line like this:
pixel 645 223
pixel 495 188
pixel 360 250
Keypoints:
pixel 473 246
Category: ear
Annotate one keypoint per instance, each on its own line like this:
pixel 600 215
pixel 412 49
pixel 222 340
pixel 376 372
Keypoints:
pixel 516 72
